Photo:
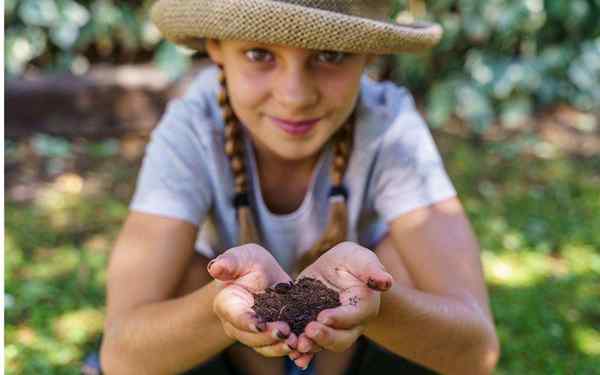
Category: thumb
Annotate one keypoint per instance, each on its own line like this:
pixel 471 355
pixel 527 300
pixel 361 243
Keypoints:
pixel 375 276
pixel 224 267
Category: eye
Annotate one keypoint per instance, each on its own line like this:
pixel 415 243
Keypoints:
pixel 258 55
pixel 331 57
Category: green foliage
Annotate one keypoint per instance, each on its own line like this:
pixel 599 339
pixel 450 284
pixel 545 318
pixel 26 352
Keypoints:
pixel 536 221
pixel 498 59
pixel 69 35
pixel 502 59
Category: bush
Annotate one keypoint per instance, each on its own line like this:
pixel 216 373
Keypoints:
pixel 498 59
pixel 502 59
pixel 69 35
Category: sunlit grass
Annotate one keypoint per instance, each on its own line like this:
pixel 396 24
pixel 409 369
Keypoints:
pixel 588 340
pixel 536 222
pixel 78 326
pixel 516 269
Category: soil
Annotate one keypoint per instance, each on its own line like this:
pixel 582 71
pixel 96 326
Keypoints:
pixel 295 303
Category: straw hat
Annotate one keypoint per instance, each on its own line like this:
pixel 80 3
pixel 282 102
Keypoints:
pixel 356 26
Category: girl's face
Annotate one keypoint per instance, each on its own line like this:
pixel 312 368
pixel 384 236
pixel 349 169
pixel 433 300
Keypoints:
pixel 291 100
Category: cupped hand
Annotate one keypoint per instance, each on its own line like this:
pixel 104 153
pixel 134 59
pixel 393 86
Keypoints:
pixel 245 270
pixel 358 275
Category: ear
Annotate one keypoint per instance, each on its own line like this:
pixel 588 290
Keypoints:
pixel 213 47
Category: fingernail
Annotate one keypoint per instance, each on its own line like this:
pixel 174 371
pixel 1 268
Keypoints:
pixel 261 326
pixel 291 346
pixel 210 264
pixel 372 284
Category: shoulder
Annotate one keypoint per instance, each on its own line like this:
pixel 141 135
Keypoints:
pixel 385 109
pixel 196 113
pixel 386 96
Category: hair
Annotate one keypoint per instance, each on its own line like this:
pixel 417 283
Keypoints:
pixel 336 230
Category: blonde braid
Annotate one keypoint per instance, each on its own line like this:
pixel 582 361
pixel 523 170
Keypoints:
pixel 337 222
pixel 234 149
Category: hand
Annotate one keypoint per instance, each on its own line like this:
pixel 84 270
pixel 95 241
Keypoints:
pixel 358 275
pixel 246 270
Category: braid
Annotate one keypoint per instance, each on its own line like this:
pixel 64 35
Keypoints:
pixel 234 149
pixel 336 230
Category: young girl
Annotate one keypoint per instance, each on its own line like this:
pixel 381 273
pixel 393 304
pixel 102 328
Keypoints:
pixel 285 161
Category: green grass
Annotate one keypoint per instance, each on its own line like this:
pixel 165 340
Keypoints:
pixel 537 220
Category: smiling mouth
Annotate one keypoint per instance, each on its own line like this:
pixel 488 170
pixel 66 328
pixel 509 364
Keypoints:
pixel 296 123
pixel 295 128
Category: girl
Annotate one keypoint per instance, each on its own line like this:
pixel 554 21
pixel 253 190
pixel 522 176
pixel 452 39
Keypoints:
pixel 284 161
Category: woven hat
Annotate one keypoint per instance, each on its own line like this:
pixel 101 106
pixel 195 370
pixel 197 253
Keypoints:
pixel 355 26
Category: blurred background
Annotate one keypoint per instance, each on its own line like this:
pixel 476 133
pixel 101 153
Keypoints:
pixel 512 95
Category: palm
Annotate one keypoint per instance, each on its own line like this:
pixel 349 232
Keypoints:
pixel 250 267
pixel 348 267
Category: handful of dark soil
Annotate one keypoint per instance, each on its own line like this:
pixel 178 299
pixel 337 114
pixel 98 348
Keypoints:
pixel 295 303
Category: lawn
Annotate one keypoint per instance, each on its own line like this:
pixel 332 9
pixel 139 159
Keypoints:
pixel 537 217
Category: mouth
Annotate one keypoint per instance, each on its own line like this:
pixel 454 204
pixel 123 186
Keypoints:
pixel 295 127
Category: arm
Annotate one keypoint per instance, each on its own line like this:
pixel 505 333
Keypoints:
pixel 444 321
pixel 147 330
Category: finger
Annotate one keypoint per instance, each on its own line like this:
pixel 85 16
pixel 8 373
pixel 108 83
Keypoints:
pixel 374 275
pixel 306 345
pixel 233 305
pixel 292 341
pixel 343 317
pixel 294 355
pixel 304 360
pixel 335 340
pixel 358 305
pixel 225 267
pixel 279 349
pixel 271 334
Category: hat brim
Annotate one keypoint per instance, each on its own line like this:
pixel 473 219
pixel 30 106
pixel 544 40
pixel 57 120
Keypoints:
pixel 190 22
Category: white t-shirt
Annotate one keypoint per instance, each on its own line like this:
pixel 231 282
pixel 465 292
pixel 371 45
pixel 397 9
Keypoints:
pixel 394 168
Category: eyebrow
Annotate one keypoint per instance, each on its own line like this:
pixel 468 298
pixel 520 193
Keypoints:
pixel 261 45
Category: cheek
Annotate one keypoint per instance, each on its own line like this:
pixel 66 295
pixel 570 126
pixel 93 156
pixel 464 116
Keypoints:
pixel 250 91
pixel 341 90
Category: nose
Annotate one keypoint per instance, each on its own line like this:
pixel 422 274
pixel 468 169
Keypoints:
pixel 296 89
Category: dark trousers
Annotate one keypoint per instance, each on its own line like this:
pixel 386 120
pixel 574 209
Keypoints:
pixel 370 358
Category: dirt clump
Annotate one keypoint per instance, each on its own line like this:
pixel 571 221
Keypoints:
pixel 295 303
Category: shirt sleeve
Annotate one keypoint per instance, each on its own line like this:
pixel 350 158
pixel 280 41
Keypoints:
pixel 409 172
pixel 174 178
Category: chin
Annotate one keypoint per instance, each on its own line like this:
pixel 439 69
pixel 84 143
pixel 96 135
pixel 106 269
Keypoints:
pixel 297 153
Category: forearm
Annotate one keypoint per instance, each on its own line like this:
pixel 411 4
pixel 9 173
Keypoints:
pixel 165 337
pixel 439 332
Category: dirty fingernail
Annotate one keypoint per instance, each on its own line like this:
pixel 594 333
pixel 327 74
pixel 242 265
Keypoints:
pixel 372 284
pixel 210 264
pixel 261 326
pixel 291 345
pixel 277 334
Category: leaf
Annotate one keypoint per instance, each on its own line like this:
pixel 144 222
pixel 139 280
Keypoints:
pixel 171 59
